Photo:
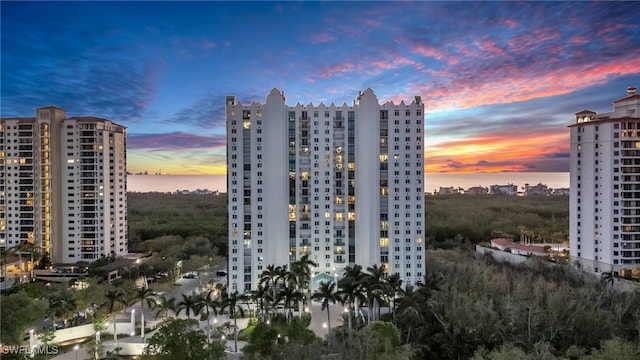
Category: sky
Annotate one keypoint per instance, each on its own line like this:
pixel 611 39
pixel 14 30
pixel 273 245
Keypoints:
pixel 500 80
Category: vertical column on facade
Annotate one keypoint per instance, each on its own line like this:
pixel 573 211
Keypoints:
pixel 384 190
pixel 351 181
pixel 247 196
pixel 293 212
pixel 26 182
pixel 339 246
pixel 44 188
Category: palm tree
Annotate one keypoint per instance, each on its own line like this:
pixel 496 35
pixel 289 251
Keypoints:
pixel 409 312
pixel 393 287
pixel 289 295
pixel 301 270
pixel 327 294
pixel 233 303
pixel 143 295
pixel 115 298
pixel 607 277
pixel 374 280
pixel 270 277
pixel 351 289
pixel 211 305
pixel 189 304
pixel 3 265
pixel 262 297
pixel 164 305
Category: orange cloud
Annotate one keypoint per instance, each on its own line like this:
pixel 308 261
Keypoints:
pixel 499 152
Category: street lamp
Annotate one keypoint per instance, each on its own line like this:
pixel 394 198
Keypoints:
pixel 324 328
pixel 32 341
pixel 133 322
pixel 75 350
pixel 97 348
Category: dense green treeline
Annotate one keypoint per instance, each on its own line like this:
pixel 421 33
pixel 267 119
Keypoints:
pixel 485 309
pixel 152 215
pixel 450 219
pixel 453 219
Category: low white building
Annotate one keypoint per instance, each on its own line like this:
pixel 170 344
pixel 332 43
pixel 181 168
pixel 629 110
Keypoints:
pixel 509 189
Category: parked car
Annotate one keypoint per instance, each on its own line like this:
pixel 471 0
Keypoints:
pixel 191 275
pixel 221 273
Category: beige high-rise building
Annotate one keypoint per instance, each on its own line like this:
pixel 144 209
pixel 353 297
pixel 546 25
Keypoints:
pixel 63 185
pixel 605 187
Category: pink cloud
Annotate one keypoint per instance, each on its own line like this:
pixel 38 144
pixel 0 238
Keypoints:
pixel 578 40
pixel 525 42
pixel 488 47
pixel 429 51
pixel 384 64
pixel 337 68
pixel 510 23
pixel 323 38
pixel 372 23
pixel 511 84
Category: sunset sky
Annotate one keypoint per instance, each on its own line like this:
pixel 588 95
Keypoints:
pixel 500 81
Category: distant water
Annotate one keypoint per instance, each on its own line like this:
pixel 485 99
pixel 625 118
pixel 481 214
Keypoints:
pixel 172 183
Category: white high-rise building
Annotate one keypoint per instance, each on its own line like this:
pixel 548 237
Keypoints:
pixel 341 183
pixel 605 187
pixel 63 185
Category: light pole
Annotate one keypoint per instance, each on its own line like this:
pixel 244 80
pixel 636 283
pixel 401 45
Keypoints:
pixel 347 310
pixel 324 330
pixel 97 352
pixel 32 342
pixel 75 350
pixel 133 322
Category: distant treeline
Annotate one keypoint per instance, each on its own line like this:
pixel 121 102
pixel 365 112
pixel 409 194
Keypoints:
pixel 451 220
pixel 455 219
pixel 153 215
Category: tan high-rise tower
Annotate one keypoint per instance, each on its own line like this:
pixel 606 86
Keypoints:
pixel 63 185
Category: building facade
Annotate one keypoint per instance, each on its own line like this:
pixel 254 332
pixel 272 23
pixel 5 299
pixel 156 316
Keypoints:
pixel 63 185
pixel 342 184
pixel 509 189
pixel 605 187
